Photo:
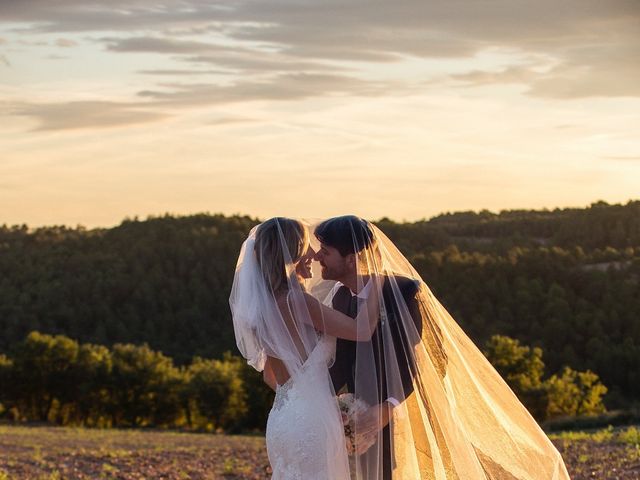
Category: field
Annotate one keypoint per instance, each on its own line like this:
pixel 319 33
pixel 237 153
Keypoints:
pixel 57 453
pixel 611 454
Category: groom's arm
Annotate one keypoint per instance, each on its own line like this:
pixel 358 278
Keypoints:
pixel 406 332
pixel 410 334
pixel 405 338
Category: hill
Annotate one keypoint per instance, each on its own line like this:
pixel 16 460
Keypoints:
pixel 566 280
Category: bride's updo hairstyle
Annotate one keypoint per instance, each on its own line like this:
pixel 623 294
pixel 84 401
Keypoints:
pixel 279 241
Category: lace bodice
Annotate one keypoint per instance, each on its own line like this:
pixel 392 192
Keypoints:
pixel 316 365
pixel 305 438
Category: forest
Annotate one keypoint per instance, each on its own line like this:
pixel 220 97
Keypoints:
pixel 55 379
pixel 562 283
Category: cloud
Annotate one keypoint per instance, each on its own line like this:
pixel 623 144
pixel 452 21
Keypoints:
pixel 515 74
pixel 261 62
pixel 180 73
pixel 109 15
pixel 66 43
pixel 588 72
pixel 373 27
pixel 591 44
pixel 4 61
pixel 86 114
pixel 160 45
pixel 605 71
pixel 105 114
pixel 33 43
pixel 281 87
pixel 624 158
pixel 225 56
pixel 230 121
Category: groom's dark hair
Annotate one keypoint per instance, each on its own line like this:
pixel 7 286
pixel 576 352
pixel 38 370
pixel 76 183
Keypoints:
pixel 347 234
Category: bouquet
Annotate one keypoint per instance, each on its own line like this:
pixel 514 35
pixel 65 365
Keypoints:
pixel 350 408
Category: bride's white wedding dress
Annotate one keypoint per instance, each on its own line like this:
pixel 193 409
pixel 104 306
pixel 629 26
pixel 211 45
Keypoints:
pixel 305 436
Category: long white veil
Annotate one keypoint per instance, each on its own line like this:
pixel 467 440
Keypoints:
pixel 450 414
pixel 270 315
pixel 281 330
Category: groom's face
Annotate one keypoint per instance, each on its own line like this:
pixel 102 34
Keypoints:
pixel 334 265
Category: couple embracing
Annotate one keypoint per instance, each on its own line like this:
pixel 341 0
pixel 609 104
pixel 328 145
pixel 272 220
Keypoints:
pixel 373 378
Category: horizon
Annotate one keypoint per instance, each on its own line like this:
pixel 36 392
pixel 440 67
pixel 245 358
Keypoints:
pixel 141 218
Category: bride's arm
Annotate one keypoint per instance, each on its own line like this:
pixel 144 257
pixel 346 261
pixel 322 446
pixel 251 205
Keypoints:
pixel 337 324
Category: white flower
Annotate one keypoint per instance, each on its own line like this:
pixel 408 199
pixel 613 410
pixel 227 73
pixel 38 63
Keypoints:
pixel 350 407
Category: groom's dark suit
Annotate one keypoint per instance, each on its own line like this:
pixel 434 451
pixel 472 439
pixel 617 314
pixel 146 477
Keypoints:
pixel 343 369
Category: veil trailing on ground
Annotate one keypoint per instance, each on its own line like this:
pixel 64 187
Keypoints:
pixel 437 409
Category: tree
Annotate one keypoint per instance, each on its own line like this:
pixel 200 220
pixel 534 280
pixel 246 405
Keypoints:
pixel 44 364
pixel 530 274
pixel 574 393
pixel 571 393
pixel 140 382
pixel 92 373
pixel 7 392
pixel 522 368
pixel 218 390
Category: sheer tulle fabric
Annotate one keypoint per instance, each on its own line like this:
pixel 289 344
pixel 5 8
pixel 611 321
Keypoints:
pixel 268 323
pixel 305 436
pixel 456 418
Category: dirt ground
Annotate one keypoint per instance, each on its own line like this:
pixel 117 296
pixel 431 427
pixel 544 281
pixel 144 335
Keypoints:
pixel 57 453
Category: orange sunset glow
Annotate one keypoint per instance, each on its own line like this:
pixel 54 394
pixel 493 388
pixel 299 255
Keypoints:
pixel 399 109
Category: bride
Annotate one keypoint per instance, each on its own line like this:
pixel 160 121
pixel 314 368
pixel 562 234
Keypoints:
pixel 429 404
pixel 289 335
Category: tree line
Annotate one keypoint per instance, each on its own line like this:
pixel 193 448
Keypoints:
pixel 52 378
pixel 55 379
pixel 566 281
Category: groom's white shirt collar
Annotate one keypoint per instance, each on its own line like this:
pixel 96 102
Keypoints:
pixel 363 294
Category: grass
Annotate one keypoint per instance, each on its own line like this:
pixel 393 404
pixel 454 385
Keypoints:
pixel 606 453
pixel 625 435
pixel 71 453
pixel 58 453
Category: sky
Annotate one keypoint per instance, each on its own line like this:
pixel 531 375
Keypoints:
pixel 403 109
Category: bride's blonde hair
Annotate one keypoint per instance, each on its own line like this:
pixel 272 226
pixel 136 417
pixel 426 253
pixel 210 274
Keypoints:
pixel 272 237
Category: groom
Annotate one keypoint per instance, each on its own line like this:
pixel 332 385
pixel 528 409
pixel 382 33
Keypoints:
pixel 342 240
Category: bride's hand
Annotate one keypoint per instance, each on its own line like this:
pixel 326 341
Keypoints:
pixel 372 420
pixel 364 443
pixel 345 418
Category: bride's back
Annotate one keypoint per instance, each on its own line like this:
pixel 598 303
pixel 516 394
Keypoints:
pixel 279 245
